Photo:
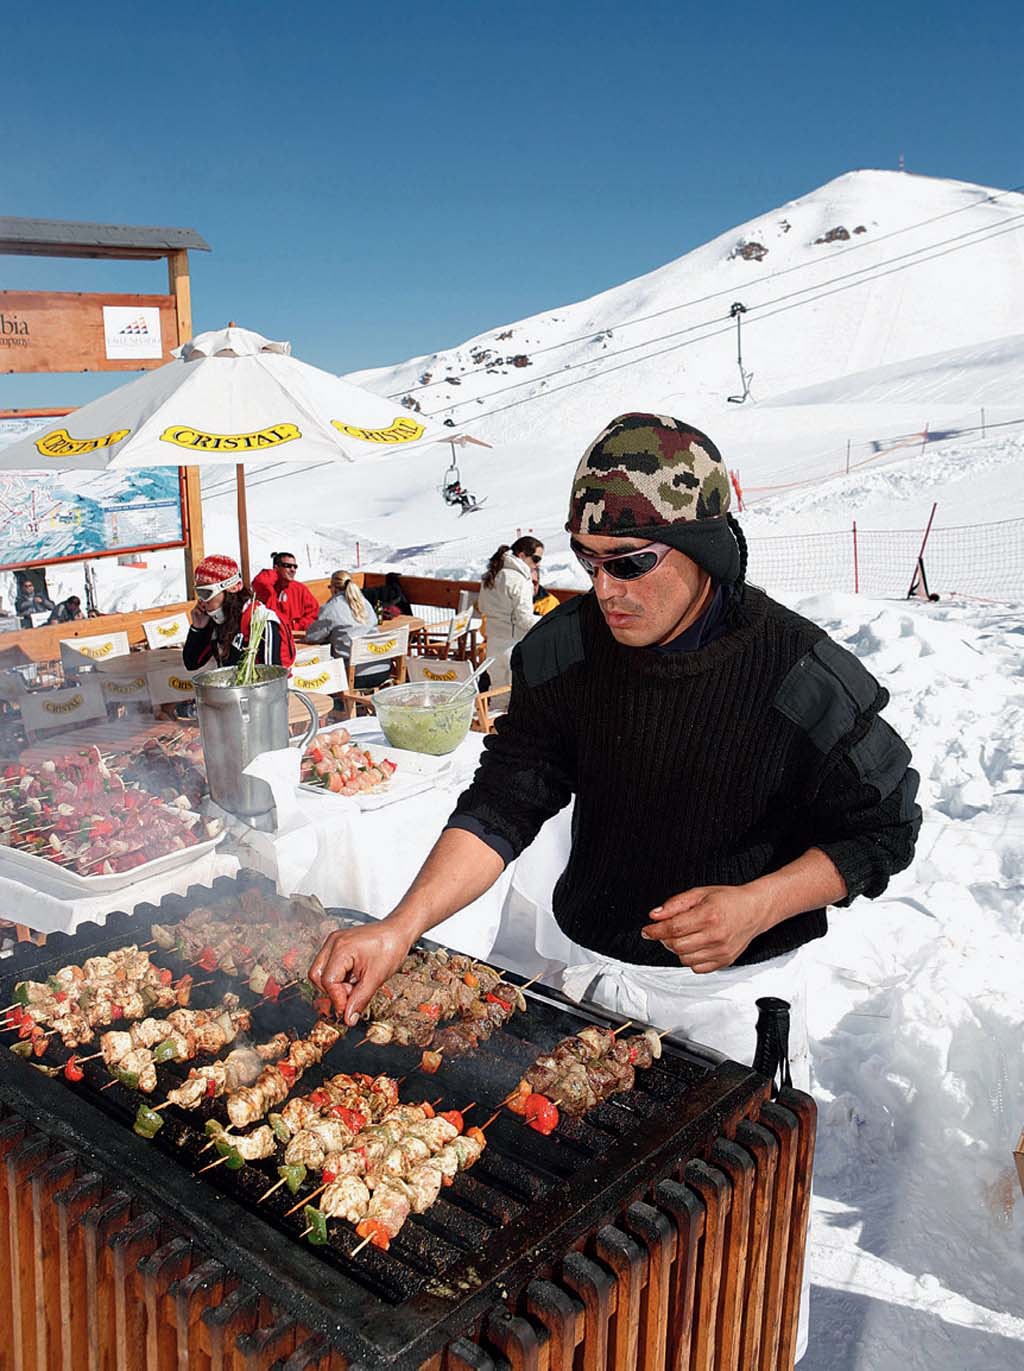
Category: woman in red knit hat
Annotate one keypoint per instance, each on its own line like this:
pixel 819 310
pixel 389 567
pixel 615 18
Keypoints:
pixel 222 617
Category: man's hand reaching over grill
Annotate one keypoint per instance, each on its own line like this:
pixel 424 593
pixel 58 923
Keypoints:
pixel 355 962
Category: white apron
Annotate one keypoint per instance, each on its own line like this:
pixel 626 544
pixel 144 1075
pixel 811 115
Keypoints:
pixel 717 1009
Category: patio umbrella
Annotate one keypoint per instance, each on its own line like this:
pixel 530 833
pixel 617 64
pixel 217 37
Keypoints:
pixel 230 397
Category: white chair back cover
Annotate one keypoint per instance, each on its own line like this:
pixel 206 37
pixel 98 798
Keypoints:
pixel 126 689
pixel 170 685
pixel 168 632
pixel 430 669
pixel 467 600
pixel 99 647
pixel 458 628
pixel 46 709
pixel 306 655
pixel 384 645
pixel 326 677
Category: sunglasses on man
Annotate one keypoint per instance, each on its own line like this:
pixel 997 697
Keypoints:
pixel 289 566
pixel 624 566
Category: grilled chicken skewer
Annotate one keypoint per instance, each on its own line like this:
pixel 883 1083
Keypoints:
pixel 135 1064
pixel 398 1168
pixel 275 1081
pixel 123 985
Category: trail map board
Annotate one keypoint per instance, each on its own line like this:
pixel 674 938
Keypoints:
pixel 46 516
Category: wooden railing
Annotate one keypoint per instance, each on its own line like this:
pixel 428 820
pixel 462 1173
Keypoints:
pixel 43 644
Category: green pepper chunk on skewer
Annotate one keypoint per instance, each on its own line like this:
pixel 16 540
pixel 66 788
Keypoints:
pixel 281 1130
pixel 316 1222
pixel 165 1051
pixel 147 1122
pixel 293 1175
pixel 234 1157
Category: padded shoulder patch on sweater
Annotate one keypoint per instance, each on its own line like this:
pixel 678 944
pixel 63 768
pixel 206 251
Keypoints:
pixel 553 645
pixel 881 758
pixel 824 692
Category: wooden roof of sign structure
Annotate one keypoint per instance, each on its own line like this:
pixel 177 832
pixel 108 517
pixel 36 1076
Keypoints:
pixel 66 238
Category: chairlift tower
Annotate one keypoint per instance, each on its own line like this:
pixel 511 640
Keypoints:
pixel 737 312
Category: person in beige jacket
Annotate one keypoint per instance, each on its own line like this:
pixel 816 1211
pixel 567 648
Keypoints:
pixel 506 601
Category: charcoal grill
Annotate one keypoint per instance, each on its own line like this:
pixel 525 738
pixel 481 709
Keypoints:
pixel 664 1229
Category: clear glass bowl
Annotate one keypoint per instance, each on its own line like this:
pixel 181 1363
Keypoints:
pixel 421 717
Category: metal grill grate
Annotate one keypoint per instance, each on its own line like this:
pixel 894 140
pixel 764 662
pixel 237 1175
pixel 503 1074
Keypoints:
pixel 525 1204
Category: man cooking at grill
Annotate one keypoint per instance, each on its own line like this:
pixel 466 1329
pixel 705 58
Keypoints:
pixel 731 772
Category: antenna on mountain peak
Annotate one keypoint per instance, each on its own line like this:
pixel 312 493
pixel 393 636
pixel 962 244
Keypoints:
pixel 902 164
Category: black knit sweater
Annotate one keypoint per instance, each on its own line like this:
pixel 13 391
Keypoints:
pixel 707 768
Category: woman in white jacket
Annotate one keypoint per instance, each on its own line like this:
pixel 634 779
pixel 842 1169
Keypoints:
pixel 506 601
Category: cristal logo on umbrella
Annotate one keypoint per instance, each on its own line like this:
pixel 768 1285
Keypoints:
pixel 59 443
pixel 399 431
pixel 184 436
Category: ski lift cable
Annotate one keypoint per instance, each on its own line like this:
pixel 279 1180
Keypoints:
pixel 876 268
pixel 753 283
pixel 1010 225
pixel 785 304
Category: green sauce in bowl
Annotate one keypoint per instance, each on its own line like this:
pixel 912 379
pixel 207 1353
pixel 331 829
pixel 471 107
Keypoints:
pixel 421 717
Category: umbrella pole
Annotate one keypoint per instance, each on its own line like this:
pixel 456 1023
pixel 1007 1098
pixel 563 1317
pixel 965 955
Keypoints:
pixel 243 522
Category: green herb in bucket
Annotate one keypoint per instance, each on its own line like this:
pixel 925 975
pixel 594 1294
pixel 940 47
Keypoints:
pixel 246 673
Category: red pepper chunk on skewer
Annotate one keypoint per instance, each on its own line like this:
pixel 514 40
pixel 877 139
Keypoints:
pixel 541 1114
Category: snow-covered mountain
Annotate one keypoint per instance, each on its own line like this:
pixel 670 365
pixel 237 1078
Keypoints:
pixel 875 305
pixel 874 268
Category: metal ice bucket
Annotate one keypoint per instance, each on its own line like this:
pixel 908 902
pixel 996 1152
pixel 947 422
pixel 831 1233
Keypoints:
pixel 237 724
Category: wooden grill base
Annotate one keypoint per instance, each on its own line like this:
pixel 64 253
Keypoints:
pixel 702 1274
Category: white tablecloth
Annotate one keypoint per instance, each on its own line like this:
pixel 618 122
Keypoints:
pixel 50 914
pixel 366 859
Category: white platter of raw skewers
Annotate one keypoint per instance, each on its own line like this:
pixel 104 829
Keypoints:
pixel 369 774
pixel 73 826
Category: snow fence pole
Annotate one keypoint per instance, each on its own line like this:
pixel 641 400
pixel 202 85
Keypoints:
pixel 856 568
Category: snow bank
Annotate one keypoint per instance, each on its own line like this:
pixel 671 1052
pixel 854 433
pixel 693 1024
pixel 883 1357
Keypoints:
pixel 916 1014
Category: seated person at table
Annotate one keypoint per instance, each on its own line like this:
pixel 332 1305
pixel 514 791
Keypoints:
pixel 348 614
pixel 30 601
pixel 67 611
pixel 292 602
pixel 222 620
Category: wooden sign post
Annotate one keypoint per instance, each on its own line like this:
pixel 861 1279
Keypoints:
pixel 67 331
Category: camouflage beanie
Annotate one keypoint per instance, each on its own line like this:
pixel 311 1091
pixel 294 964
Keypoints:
pixel 653 477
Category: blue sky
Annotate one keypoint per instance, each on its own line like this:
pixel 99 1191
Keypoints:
pixel 379 181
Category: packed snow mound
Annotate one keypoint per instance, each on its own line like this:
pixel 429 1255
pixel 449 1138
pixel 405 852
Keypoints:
pixel 916 1009
pixel 986 373
pixel 872 269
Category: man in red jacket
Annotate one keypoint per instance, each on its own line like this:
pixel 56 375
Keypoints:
pixel 292 602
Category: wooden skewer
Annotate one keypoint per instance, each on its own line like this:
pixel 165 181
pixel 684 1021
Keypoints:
pixel 356 1250
pixel 157 1107
pixel 531 982
pixel 306 1230
pixel 91 1058
pixel 487 1125
pixel 308 1199
pixel 225 1133
pixel 115 1081
pixel 267 1193
pixel 209 1167
pixel 468 1107
pixel 627 1024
